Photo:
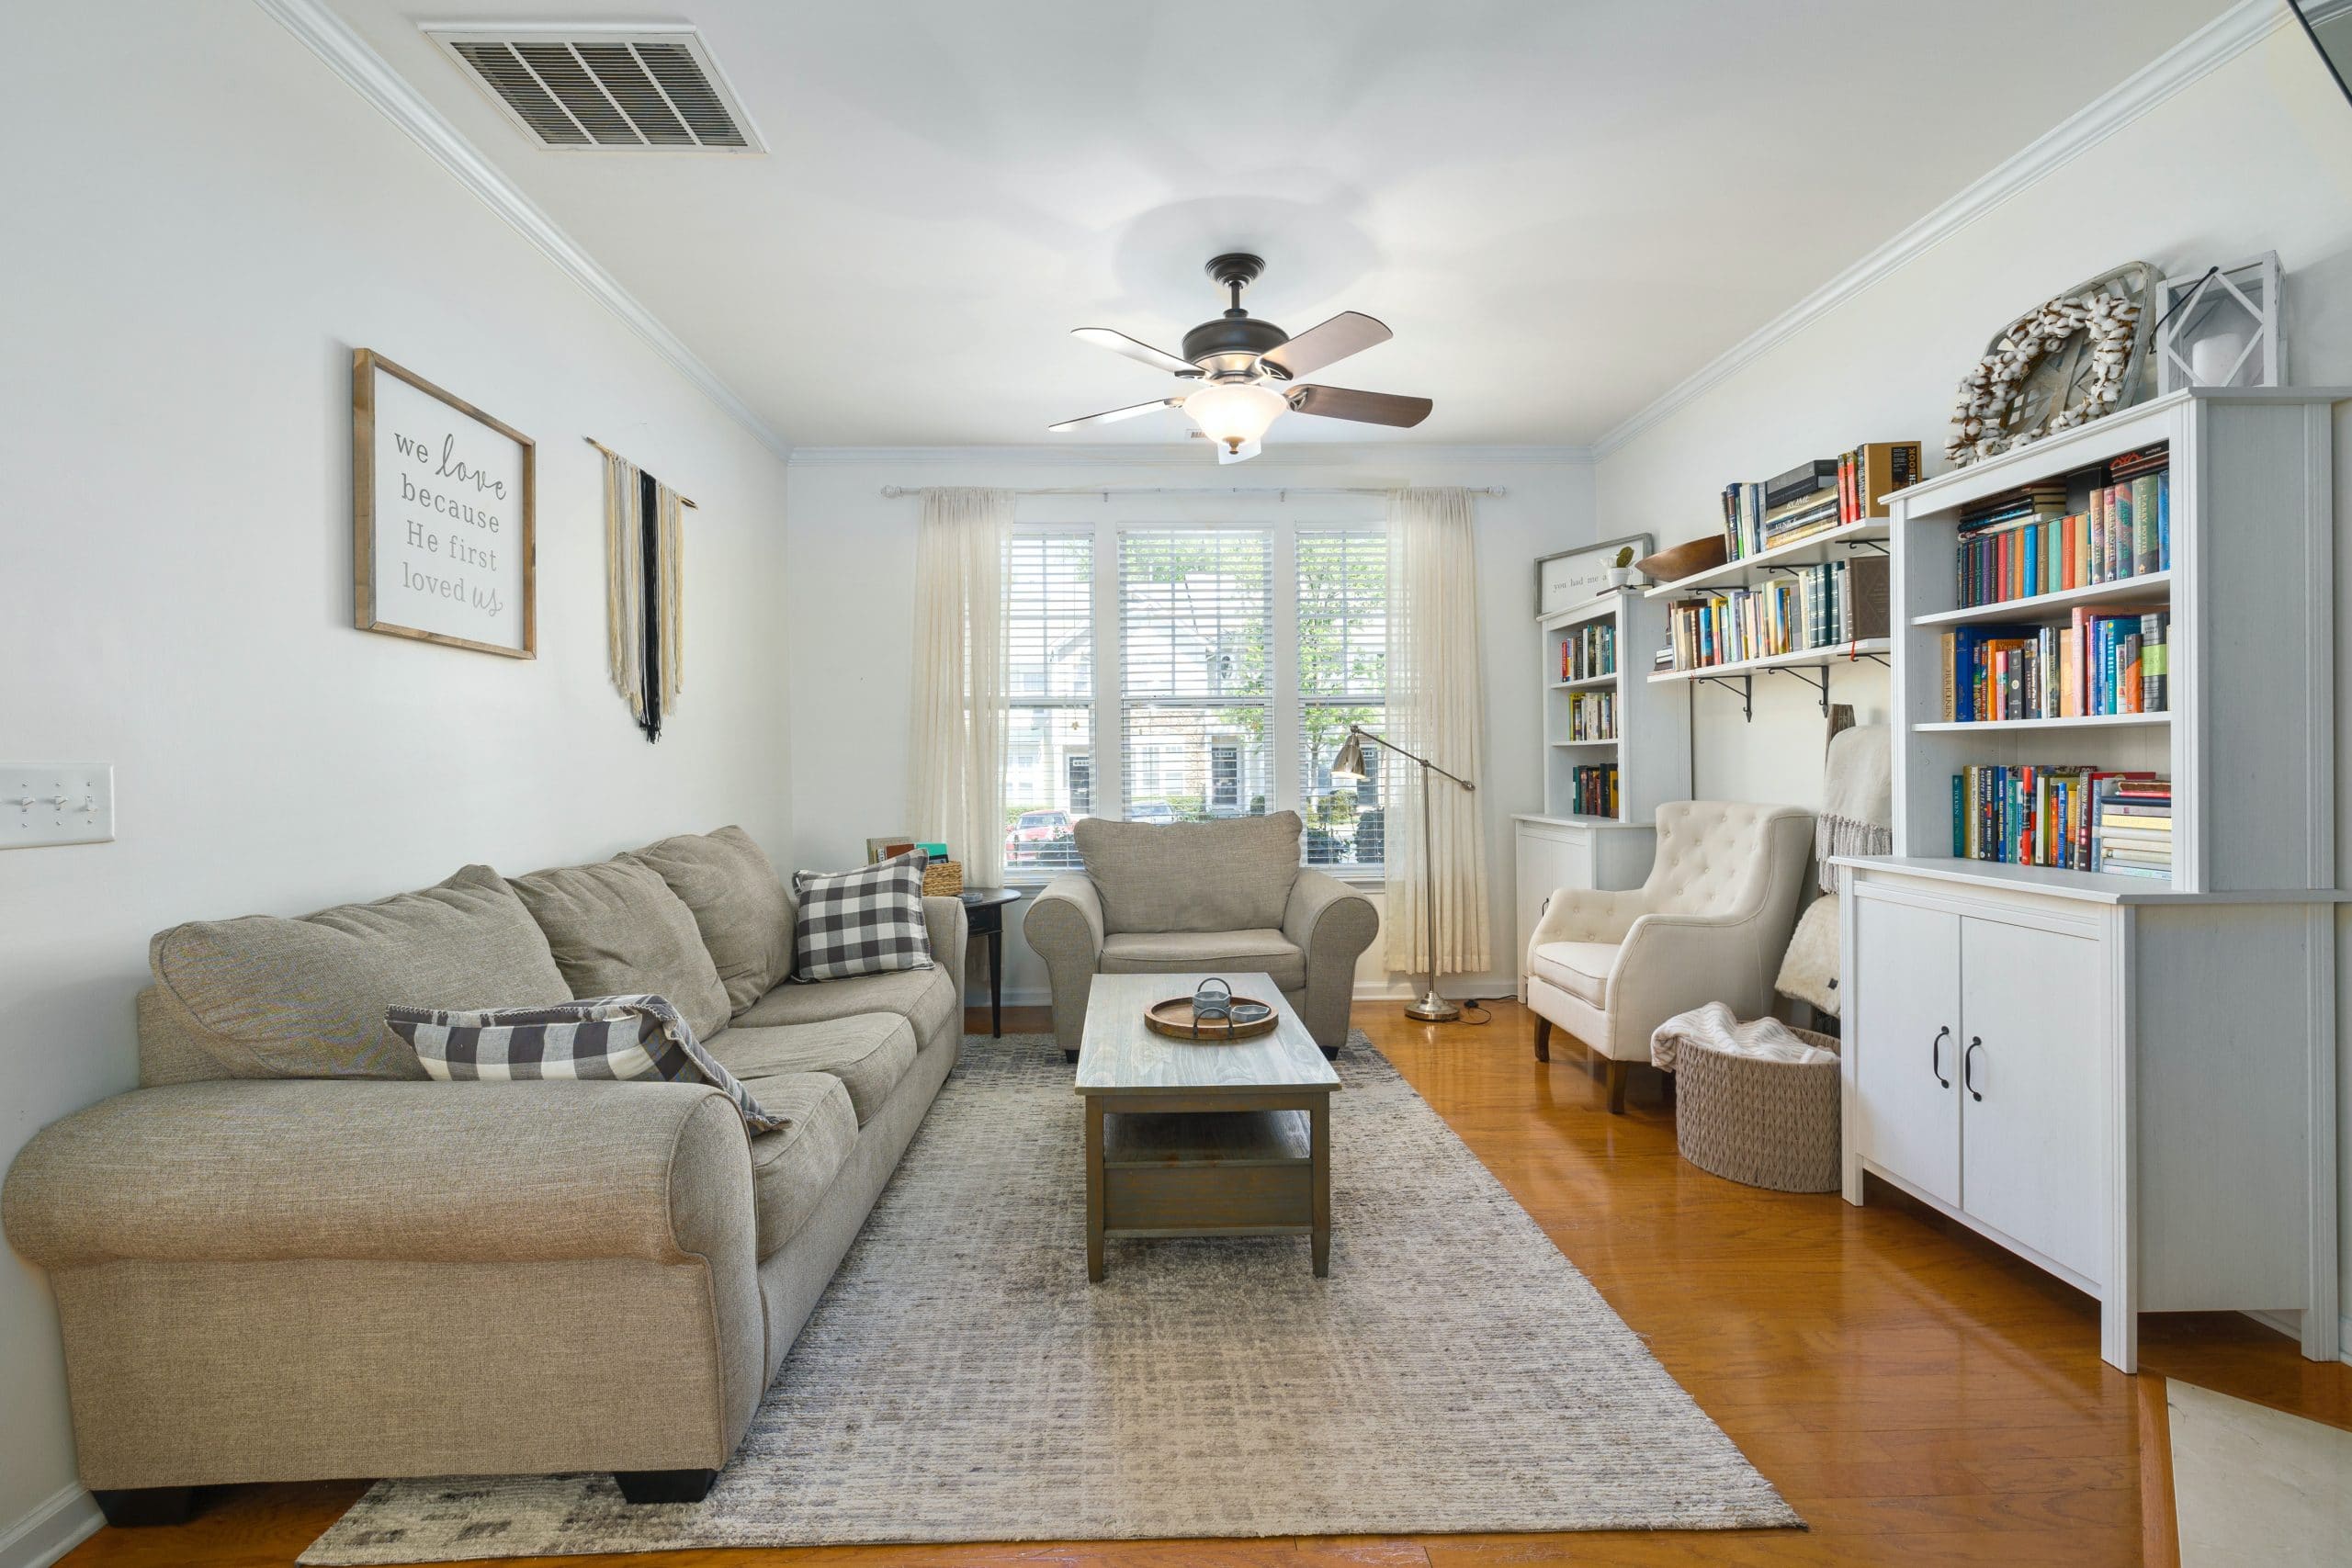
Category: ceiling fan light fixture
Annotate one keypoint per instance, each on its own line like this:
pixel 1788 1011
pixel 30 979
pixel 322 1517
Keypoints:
pixel 1234 414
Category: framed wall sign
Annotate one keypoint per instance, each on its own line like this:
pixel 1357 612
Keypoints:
pixel 1569 578
pixel 444 517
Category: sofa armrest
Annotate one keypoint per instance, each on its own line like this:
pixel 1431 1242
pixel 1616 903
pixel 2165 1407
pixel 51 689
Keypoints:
pixel 1583 914
pixel 1332 924
pixel 949 928
pixel 1063 927
pixel 262 1170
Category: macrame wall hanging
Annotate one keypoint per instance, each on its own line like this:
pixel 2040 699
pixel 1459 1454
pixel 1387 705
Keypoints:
pixel 644 591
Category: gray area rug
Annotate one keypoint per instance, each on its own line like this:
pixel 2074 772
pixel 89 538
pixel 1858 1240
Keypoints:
pixel 960 1380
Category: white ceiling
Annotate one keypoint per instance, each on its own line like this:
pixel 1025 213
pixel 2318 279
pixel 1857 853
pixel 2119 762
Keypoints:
pixel 1561 209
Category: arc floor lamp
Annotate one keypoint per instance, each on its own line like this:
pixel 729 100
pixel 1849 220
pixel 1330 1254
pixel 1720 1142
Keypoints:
pixel 1348 766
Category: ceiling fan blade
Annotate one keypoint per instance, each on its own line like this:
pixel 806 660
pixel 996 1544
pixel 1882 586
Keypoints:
pixel 1116 414
pixel 1366 408
pixel 1120 343
pixel 1350 331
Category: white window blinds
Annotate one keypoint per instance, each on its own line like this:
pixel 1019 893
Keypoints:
pixel 1342 680
pixel 1195 634
pixel 1050 730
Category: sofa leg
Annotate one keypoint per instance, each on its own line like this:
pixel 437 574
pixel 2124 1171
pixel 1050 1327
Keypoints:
pixel 1542 1038
pixel 137 1507
pixel 1070 1058
pixel 1617 1074
pixel 665 1485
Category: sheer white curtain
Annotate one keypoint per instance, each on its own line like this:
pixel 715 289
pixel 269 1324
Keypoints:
pixel 955 784
pixel 1436 707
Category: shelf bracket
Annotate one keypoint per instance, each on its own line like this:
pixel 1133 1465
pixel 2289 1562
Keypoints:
pixel 1820 686
pixel 1747 690
pixel 1873 546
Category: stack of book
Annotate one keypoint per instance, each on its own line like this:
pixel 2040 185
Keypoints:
pixel 1816 497
pixel 1592 715
pixel 2026 542
pixel 2109 660
pixel 1588 650
pixel 1813 606
pixel 2134 835
pixel 2033 814
pixel 1592 791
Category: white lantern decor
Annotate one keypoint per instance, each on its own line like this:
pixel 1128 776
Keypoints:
pixel 2220 328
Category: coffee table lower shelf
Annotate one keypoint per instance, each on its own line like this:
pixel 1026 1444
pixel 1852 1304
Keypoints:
pixel 1161 1164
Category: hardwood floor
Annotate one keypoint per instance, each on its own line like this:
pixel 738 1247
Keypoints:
pixel 1919 1396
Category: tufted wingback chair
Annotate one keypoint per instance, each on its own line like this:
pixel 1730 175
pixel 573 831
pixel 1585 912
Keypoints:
pixel 1709 926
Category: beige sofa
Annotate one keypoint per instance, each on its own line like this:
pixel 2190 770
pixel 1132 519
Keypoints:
pixel 1709 925
pixel 1168 898
pixel 287 1256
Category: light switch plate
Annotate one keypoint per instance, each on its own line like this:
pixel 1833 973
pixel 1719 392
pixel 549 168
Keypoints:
pixel 55 803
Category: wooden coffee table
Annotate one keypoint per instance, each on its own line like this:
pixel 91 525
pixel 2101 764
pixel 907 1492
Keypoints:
pixel 1202 1140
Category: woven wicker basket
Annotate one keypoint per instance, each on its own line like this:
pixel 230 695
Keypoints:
pixel 1763 1122
pixel 943 879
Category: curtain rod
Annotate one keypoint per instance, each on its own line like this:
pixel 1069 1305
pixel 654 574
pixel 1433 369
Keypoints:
pixel 892 492
pixel 682 500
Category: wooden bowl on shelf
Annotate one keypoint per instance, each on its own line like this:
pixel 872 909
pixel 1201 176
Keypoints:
pixel 1174 1018
pixel 1678 561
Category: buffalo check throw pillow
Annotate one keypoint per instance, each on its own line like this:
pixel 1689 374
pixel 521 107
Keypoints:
pixel 596 1037
pixel 866 922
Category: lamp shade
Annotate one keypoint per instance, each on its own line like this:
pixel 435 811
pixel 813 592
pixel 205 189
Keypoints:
pixel 1234 413
pixel 1348 766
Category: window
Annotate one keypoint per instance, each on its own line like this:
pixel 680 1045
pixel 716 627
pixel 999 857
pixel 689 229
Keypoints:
pixel 1195 637
pixel 1342 680
pixel 1050 672
pixel 1214 710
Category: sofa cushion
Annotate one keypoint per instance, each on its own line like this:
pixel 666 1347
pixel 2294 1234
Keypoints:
pixel 1580 968
pixel 1233 874
pixel 1175 953
pixel 792 1169
pixel 305 998
pixel 928 999
pixel 870 1051
pixel 738 906
pixel 616 929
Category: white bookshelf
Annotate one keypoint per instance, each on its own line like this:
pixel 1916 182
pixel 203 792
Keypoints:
pixel 2128 1081
pixel 1558 847
pixel 1841 543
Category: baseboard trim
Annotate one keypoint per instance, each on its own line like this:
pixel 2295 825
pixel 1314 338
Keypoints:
pixel 51 1531
pixel 2279 1322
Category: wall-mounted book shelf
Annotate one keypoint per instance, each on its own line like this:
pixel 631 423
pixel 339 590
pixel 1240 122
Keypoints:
pixel 1866 536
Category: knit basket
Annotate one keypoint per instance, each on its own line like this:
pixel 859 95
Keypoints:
pixel 1763 1122
pixel 943 879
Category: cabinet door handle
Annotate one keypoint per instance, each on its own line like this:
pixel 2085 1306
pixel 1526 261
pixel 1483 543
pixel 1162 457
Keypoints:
pixel 1968 1066
pixel 1936 1056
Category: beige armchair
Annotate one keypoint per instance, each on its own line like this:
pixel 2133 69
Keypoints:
pixel 1201 895
pixel 1710 925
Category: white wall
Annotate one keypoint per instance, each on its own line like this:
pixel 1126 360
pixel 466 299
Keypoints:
pixel 851 607
pixel 2256 155
pixel 188 264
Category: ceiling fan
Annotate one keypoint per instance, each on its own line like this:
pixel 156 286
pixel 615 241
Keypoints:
pixel 1246 367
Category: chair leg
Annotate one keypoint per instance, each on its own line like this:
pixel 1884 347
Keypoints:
pixel 664 1485
pixel 1617 1074
pixel 136 1508
pixel 1542 1038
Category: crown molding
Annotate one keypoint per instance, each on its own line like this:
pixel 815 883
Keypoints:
pixel 2216 44
pixel 330 38
pixel 1310 455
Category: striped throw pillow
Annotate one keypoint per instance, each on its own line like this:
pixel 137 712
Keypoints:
pixel 596 1037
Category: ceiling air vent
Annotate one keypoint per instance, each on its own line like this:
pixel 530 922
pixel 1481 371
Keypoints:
pixel 585 87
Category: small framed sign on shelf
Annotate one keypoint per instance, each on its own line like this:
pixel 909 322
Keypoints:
pixel 1568 578
pixel 444 517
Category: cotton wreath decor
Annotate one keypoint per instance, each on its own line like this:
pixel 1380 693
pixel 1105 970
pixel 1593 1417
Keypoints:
pixel 1987 401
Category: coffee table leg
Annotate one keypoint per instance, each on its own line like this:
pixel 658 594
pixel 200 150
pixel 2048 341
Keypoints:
pixel 1319 1116
pixel 1094 1190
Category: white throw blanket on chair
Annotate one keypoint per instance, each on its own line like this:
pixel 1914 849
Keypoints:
pixel 1713 1027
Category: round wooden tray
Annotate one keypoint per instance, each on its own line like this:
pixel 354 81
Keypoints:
pixel 1174 1018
